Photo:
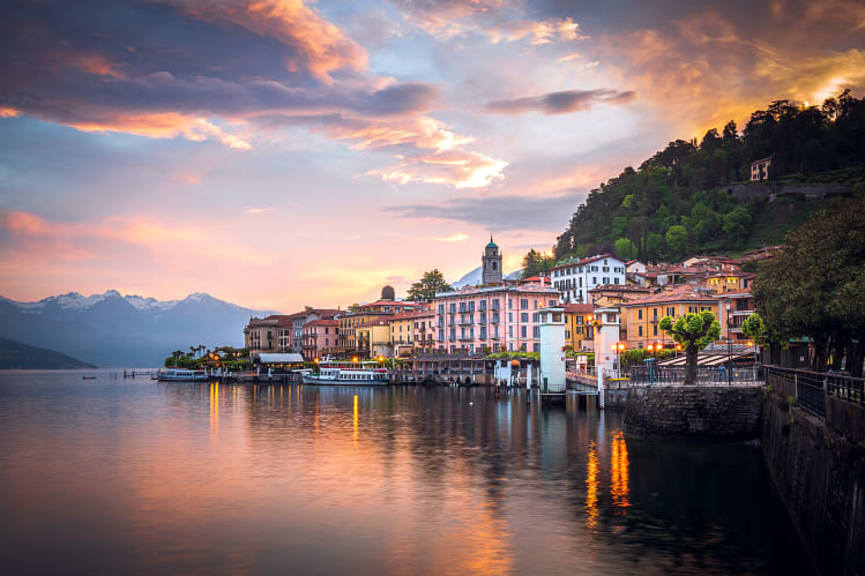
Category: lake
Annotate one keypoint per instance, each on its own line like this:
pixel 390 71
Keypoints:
pixel 123 476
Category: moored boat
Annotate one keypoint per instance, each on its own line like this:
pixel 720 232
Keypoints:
pixel 181 375
pixel 336 376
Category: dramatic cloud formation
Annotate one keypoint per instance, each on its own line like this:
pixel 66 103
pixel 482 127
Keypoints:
pixel 561 102
pixel 499 20
pixel 319 147
pixel 499 213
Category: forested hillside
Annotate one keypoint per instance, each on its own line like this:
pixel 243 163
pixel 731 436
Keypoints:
pixel 679 202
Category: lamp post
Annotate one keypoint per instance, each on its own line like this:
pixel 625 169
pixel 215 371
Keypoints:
pixel 729 348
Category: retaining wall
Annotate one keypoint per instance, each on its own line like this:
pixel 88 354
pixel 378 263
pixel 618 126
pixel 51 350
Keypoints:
pixel 721 412
pixel 818 468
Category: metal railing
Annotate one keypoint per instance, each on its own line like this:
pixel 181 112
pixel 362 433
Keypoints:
pixel 713 375
pixel 810 389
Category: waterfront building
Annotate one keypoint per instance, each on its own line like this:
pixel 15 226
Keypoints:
pixel 267 334
pixel 491 263
pixel 579 329
pixel 295 340
pixel 374 339
pixel 412 332
pixel 320 338
pixel 383 309
pixel 495 318
pixel 735 306
pixel 574 279
pixel 641 317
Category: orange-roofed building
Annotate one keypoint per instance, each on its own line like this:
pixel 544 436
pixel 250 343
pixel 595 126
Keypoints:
pixel 412 332
pixel 641 318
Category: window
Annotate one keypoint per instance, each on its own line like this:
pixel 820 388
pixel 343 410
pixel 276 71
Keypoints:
pixel 640 314
pixel 524 303
pixel 536 347
pixel 535 331
pixel 655 330
pixel 640 330
pixel 483 332
pixel 535 317
pixel 523 331
pixel 524 317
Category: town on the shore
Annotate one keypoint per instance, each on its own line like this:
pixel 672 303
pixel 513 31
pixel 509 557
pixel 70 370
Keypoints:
pixel 500 317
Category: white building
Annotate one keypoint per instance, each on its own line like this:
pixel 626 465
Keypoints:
pixel 573 280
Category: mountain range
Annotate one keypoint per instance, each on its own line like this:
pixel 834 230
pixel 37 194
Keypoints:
pixel 473 278
pixel 113 330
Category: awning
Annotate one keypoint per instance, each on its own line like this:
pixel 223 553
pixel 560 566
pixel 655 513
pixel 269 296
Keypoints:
pixel 289 358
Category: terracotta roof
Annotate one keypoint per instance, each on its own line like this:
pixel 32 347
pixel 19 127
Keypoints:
pixel 680 293
pixel 395 303
pixel 323 322
pixel 578 308
pixel 413 315
pixel 620 288
pixel 745 292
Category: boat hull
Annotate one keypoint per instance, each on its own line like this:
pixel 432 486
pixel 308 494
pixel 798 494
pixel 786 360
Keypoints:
pixel 316 381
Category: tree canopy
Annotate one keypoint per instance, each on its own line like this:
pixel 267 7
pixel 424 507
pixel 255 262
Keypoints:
pixel 676 203
pixel 425 289
pixel 535 263
pixel 694 331
pixel 815 287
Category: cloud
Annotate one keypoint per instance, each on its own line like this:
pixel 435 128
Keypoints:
pixel 713 64
pixel 562 102
pixel 220 71
pixel 460 237
pixel 316 45
pixel 254 211
pixel 497 20
pixel 458 168
pixel 499 213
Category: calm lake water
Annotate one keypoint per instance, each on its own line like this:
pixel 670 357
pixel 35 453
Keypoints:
pixel 114 476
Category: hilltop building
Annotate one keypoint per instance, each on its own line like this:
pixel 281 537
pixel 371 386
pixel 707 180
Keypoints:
pixel 574 279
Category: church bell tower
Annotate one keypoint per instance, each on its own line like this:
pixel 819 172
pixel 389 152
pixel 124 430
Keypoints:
pixel 492 264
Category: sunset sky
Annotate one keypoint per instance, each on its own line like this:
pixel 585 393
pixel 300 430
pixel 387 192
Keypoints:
pixel 278 153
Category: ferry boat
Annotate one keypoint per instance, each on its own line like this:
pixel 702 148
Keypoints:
pixel 181 375
pixel 334 376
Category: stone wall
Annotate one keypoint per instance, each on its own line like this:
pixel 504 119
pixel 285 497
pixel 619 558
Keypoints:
pixel 720 412
pixel 819 471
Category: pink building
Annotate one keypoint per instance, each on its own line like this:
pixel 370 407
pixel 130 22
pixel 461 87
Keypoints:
pixel 498 317
pixel 319 338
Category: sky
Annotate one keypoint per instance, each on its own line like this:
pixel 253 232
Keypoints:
pixel 281 153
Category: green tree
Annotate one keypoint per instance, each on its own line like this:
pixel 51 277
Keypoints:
pixel 677 240
pixel 813 287
pixel 737 222
pixel 754 329
pixel 625 249
pixel 424 290
pixel 694 332
pixel 535 263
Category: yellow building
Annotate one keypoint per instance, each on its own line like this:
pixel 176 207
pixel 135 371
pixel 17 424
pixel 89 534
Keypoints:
pixel 579 330
pixel 412 331
pixel 374 339
pixel 729 282
pixel 643 316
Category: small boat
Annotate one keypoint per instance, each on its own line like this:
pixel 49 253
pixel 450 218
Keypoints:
pixel 181 375
pixel 88 377
pixel 331 376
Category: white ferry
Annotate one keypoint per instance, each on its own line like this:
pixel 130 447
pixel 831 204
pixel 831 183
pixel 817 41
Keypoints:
pixel 332 376
pixel 181 375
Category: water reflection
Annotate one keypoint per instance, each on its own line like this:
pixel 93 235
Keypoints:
pixel 619 471
pixel 133 477
pixel 592 482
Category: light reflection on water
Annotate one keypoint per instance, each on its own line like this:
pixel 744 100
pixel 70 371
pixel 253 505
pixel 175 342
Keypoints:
pixel 129 476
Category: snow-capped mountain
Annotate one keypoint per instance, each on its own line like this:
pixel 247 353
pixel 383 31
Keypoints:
pixel 474 277
pixel 114 330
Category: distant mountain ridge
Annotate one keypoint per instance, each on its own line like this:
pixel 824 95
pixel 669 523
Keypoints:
pixel 110 329
pixel 15 355
pixel 474 277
